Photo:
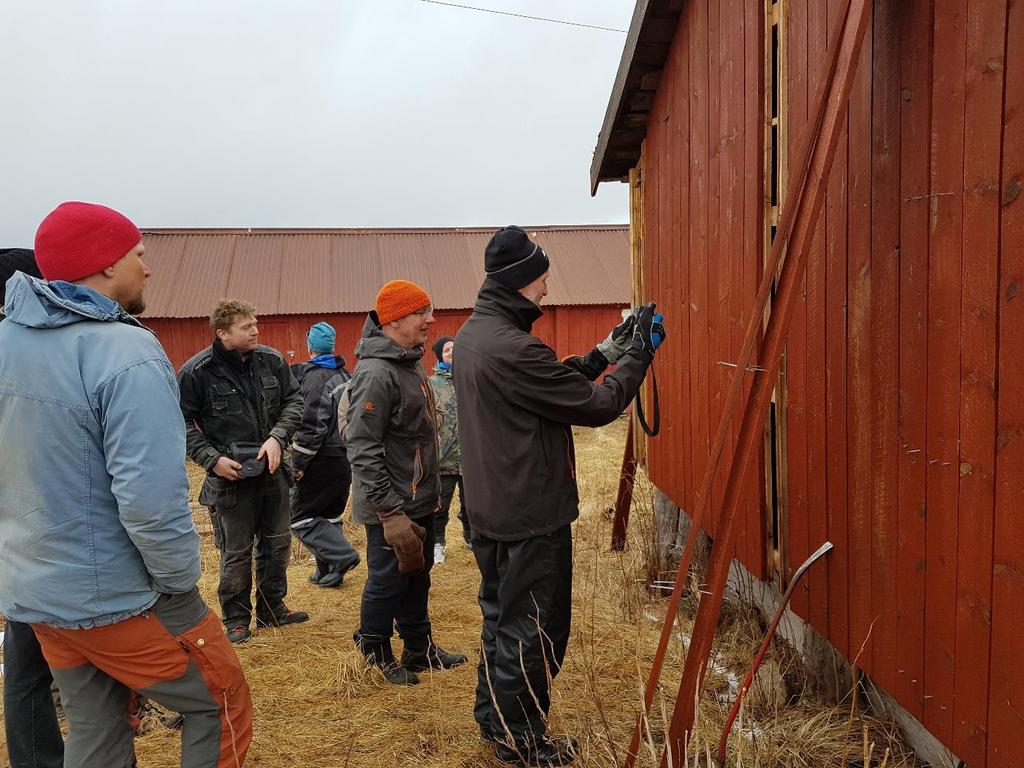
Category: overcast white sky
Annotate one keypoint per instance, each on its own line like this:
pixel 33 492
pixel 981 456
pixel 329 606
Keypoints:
pixel 271 113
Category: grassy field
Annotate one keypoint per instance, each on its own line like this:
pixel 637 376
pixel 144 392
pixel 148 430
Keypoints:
pixel 316 704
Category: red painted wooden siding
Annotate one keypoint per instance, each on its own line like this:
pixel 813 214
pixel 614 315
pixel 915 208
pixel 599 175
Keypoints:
pixel 702 243
pixel 904 373
pixel 568 329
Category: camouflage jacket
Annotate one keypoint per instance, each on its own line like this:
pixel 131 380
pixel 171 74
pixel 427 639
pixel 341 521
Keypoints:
pixel 450 460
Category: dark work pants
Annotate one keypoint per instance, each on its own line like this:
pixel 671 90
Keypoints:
pixel 393 599
pixel 318 502
pixel 526 601
pixel 448 485
pixel 258 514
pixel 30 718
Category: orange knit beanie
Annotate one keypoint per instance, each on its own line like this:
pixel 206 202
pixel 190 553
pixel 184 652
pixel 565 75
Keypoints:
pixel 399 298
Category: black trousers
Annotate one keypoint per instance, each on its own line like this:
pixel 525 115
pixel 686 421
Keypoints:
pixel 256 513
pixel 448 485
pixel 30 718
pixel 318 502
pixel 526 601
pixel 392 599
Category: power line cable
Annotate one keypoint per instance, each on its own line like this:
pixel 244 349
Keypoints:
pixel 525 16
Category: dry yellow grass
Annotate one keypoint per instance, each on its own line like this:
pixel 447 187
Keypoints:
pixel 316 704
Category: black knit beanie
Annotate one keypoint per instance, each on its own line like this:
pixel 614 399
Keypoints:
pixel 438 347
pixel 16 260
pixel 513 259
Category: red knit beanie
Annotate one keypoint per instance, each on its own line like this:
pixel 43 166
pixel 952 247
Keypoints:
pixel 80 239
pixel 398 299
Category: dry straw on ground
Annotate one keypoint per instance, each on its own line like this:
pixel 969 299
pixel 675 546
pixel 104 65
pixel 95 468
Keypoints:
pixel 316 704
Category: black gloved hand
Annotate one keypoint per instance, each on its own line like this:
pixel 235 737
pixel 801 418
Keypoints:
pixel 649 330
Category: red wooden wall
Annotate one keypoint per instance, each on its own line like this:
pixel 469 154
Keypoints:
pixel 905 364
pixel 702 244
pixel 568 329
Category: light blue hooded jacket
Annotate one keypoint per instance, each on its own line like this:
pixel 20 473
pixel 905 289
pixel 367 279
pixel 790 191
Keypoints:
pixel 94 514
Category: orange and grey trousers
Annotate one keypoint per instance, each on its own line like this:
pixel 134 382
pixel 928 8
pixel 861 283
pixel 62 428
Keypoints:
pixel 176 654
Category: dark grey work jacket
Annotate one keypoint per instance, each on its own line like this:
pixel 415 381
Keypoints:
pixel 517 402
pixel 391 430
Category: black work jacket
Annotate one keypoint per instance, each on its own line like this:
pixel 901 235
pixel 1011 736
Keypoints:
pixel 318 433
pixel 517 404
pixel 226 399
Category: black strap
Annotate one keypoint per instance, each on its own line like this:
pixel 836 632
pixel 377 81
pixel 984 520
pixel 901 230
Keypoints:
pixel 657 408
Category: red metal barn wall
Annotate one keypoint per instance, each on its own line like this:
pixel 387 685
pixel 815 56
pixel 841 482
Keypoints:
pixel 904 385
pixel 568 329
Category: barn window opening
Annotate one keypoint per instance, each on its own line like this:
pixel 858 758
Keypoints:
pixel 775 176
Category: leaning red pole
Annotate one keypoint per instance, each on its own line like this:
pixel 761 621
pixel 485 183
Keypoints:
pixel 624 498
pixel 806 210
pixel 796 189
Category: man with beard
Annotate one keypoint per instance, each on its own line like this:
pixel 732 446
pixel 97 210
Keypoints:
pixel 392 447
pixel 517 405
pixel 100 552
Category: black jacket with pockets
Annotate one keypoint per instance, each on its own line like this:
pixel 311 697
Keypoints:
pixel 517 404
pixel 391 430
pixel 226 400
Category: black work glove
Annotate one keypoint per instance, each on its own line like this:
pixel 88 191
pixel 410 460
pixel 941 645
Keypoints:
pixel 649 329
pixel 618 340
pixel 406 538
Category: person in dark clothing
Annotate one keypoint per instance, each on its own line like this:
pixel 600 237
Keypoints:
pixel 319 463
pixel 517 405
pixel 30 717
pixel 391 434
pixel 241 405
pixel 449 461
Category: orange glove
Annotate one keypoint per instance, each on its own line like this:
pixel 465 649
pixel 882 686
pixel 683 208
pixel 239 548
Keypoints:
pixel 406 537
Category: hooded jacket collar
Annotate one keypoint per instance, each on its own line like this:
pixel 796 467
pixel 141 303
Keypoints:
pixel 495 299
pixel 34 303
pixel 327 360
pixel 375 344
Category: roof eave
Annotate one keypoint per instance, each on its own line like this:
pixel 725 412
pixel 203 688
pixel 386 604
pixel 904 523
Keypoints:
pixel 625 120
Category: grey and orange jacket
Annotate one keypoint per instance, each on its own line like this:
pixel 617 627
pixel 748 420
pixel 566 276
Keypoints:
pixel 391 430
pixel 517 405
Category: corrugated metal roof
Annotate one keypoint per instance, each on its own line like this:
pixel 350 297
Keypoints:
pixel 305 271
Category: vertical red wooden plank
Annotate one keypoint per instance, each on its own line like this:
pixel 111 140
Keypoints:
pixel 986 40
pixel 885 246
pixel 817 522
pixel 859 363
pixel 698 235
pixel 751 208
pixel 716 265
pixel 833 600
pixel 680 270
pixel 658 455
pixel 729 48
pixel 795 545
pixel 1006 697
pixel 944 281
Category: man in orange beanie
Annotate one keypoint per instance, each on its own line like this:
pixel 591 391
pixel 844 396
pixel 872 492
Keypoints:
pixel 392 447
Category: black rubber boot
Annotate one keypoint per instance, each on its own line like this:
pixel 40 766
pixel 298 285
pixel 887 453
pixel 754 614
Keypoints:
pixel 380 656
pixel 431 657
pixel 549 751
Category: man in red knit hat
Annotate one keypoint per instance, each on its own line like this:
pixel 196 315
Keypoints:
pixel 392 447
pixel 100 554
